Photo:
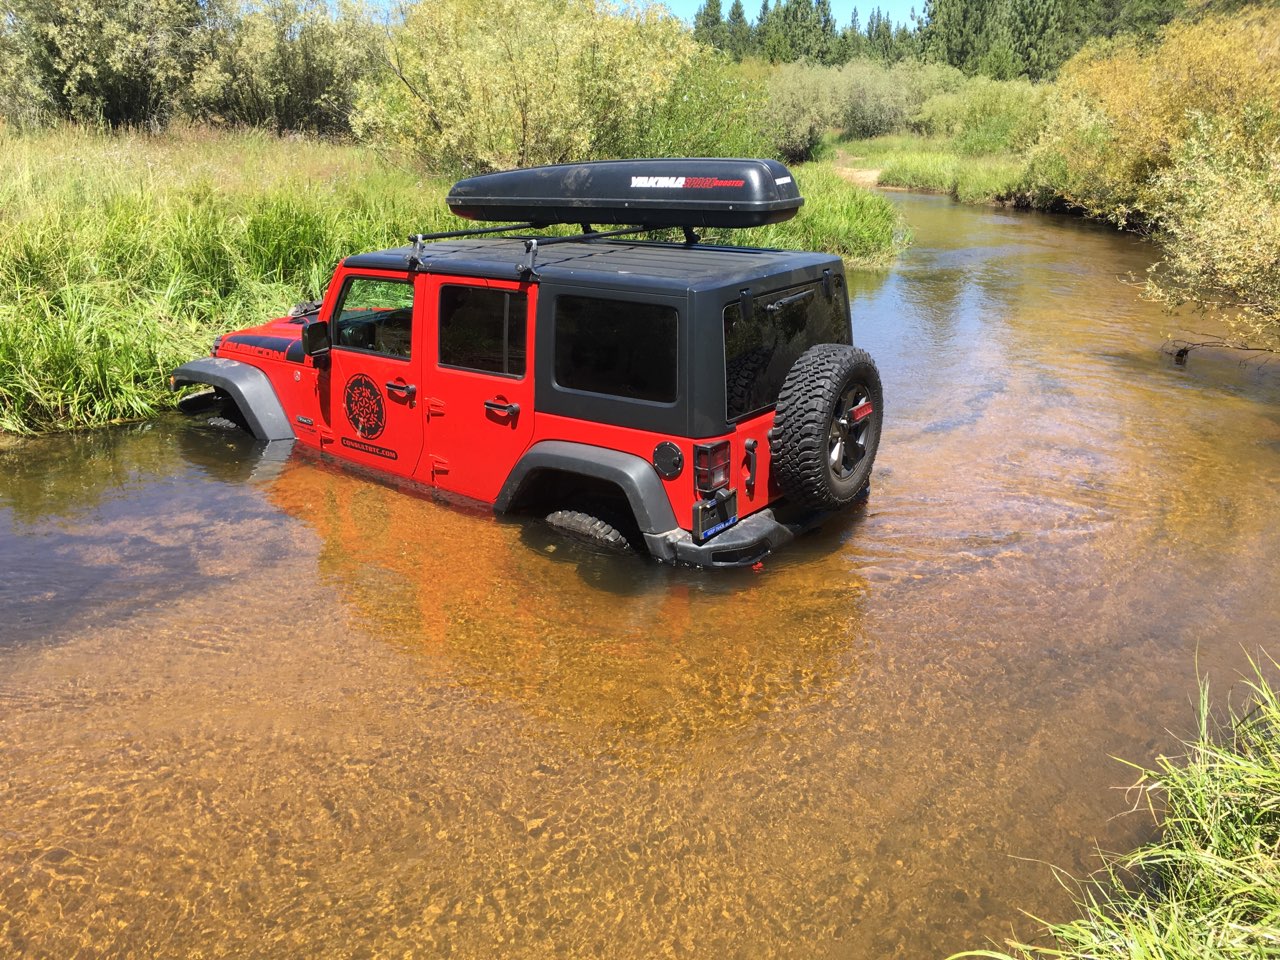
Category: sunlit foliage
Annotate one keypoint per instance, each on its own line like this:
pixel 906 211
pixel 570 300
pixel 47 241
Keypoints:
pixel 1180 137
pixel 479 85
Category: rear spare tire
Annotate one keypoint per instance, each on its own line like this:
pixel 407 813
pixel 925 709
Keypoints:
pixel 827 426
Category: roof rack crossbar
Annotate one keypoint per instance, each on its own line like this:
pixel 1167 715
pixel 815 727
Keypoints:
pixel 473 232
pixel 593 235
pixel 531 245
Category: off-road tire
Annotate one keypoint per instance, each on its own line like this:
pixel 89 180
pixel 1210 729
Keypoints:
pixel 807 427
pixel 741 376
pixel 222 423
pixel 589 529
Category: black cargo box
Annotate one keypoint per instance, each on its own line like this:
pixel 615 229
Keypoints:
pixel 655 193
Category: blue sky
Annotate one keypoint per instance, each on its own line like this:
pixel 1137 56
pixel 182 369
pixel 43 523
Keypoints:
pixel 899 11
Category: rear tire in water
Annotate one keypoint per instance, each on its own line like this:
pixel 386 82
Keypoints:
pixel 589 529
pixel 827 426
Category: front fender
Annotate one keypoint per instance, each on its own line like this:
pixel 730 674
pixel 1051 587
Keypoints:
pixel 248 386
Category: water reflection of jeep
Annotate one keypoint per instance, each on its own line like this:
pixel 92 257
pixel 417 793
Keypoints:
pixel 703 403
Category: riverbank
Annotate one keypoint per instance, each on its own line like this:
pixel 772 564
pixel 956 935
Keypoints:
pixel 932 165
pixel 1210 885
pixel 121 256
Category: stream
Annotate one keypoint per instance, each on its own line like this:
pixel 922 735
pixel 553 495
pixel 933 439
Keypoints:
pixel 253 704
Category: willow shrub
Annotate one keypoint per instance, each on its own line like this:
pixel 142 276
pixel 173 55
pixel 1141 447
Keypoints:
pixel 1218 206
pixel 986 116
pixel 478 85
pixel 1180 137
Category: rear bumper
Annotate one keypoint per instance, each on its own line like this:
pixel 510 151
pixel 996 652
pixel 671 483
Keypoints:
pixel 746 542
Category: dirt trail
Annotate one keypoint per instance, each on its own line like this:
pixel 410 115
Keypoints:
pixel 863 177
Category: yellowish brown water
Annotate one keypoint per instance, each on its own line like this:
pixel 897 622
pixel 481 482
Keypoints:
pixel 263 707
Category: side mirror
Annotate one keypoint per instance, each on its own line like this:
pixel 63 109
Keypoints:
pixel 315 339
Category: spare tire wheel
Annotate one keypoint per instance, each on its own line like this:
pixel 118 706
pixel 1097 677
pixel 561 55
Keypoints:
pixel 827 426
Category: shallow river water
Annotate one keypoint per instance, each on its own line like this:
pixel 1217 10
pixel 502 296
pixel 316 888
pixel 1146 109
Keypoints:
pixel 254 706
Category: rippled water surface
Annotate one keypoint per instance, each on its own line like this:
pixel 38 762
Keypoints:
pixel 259 706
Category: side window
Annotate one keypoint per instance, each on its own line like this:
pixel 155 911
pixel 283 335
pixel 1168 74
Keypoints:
pixel 483 329
pixel 617 348
pixel 375 315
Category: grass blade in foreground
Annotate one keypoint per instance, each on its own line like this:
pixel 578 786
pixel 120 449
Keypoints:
pixel 1210 886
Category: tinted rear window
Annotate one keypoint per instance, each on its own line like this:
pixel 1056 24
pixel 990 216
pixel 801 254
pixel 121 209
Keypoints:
pixel 617 348
pixel 760 349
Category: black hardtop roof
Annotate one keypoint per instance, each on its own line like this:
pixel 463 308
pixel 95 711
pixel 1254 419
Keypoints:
pixel 670 266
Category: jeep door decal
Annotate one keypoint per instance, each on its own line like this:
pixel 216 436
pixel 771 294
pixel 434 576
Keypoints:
pixel 362 401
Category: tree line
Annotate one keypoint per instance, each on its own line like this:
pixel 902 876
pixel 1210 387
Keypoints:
pixel 1001 39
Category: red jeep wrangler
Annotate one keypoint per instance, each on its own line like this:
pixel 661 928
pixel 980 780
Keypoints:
pixel 701 402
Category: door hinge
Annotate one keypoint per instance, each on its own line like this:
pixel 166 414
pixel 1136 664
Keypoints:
pixel 435 406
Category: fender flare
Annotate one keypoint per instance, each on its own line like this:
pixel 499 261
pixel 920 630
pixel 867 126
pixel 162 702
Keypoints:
pixel 248 386
pixel 636 478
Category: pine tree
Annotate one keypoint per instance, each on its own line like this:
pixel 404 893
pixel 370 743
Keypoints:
pixel 737 32
pixel 963 32
pixel 1038 32
pixel 708 25
pixel 851 39
pixel 763 27
pixel 828 43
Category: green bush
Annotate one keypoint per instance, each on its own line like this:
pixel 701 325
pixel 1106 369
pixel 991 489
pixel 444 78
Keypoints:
pixel 1219 216
pixel 876 99
pixel 801 107
pixel 711 110
pixel 1179 138
pixel 285 64
pixel 111 62
pixel 289 65
pixel 986 116
pixel 479 85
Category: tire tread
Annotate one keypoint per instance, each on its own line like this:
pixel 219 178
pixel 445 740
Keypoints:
pixel 803 419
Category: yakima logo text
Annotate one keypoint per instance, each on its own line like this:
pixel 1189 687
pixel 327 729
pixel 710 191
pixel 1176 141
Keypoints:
pixel 658 182
pixel 681 183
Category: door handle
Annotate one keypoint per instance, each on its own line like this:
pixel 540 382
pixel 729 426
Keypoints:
pixel 406 390
pixel 502 408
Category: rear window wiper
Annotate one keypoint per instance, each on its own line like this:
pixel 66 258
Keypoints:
pixel 787 301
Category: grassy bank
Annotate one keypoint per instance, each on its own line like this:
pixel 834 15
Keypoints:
pixel 936 165
pixel 1210 886
pixel 122 256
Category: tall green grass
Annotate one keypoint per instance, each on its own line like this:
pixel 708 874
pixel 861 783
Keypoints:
pixel 121 256
pixel 1210 886
pixel 837 217
pixel 939 166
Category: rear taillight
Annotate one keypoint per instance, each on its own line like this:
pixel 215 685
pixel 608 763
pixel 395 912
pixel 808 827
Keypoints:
pixel 711 467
